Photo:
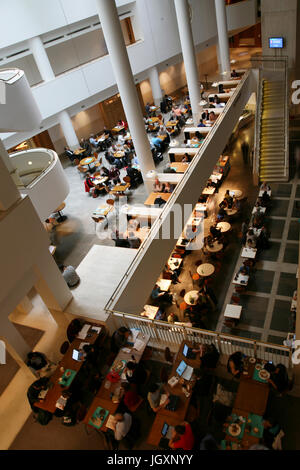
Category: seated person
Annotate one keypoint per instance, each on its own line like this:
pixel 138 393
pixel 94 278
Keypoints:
pixel 216 232
pixel 234 74
pixel 135 373
pixel 271 430
pixel 279 379
pixel 265 187
pixel 186 158
pixel 160 296
pixel 134 241
pixel 221 214
pixel 158 186
pixel 235 364
pixel 114 175
pixel 182 437
pixel 251 239
pixel 157 142
pixel 88 183
pixel 258 220
pixel 169 169
pixel 201 123
pixel 70 275
pixel 216 99
pixel 228 199
pixel 69 153
pixel 265 199
pixel 159 201
pixel 74 328
pixel 154 397
pixel 121 426
pixel 212 116
pixel 244 270
pixel 168 188
pixel 172 318
pixel 119 339
pixel 36 360
pixel 209 356
pixel 130 397
pixel 34 391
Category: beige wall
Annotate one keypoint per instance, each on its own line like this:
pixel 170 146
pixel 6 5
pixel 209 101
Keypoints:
pixel 173 77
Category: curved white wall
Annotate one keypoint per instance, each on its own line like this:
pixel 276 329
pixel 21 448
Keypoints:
pixel 51 188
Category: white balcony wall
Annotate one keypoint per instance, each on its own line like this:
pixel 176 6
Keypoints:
pixel 94 80
pixel 240 15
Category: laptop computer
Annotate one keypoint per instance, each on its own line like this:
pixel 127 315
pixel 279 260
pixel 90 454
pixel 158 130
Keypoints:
pixel 172 405
pixel 181 368
pixel 166 436
pixel 188 352
pixel 77 355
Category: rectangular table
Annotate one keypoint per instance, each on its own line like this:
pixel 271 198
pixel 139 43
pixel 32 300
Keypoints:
pixel 233 311
pixel 252 396
pixel 67 362
pixel 180 167
pixel 241 280
pixel 260 209
pixel 174 417
pixel 260 194
pixel 174 263
pixel 249 253
pixel 119 188
pixel 103 396
pixel 164 284
pixel 151 198
pixel 150 311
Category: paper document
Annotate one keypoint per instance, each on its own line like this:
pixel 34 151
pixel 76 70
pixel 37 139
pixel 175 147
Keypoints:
pixel 163 398
pixel 139 345
pixel 134 334
pixel 83 332
pixel 110 422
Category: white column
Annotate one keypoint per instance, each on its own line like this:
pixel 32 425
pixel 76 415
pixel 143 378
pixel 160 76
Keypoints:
pixel 222 36
pixel 189 55
pixel 67 127
pixel 111 28
pixel 155 85
pixel 41 58
pixel 42 61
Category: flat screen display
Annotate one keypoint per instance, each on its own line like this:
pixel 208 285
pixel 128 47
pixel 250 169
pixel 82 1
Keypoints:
pixel 276 43
pixel 181 368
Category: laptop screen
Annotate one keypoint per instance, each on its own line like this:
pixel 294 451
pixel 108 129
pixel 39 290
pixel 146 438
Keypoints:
pixel 185 350
pixel 165 429
pixel 75 355
pixel 181 368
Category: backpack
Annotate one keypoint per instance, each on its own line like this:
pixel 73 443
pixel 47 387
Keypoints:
pixel 44 417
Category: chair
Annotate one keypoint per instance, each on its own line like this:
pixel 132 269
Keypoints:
pixel 110 202
pixel 64 347
pixel 164 375
pixel 132 409
pixel 198 263
pixel 126 179
pixel 195 277
pixel 168 356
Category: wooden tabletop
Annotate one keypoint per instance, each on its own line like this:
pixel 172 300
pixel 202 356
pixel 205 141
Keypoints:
pixel 172 123
pixel 61 207
pixel 79 151
pixel 174 417
pixel 67 362
pixel 215 247
pixel 191 295
pixel 103 396
pixel 224 226
pixel 87 161
pixel 102 210
pixel 118 128
pixel 252 396
pixel 120 188
pixel 151 198
pixel 119 154
pixel 180 167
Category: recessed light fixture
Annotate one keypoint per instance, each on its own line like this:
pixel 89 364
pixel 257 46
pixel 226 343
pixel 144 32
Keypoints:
pixel 29 163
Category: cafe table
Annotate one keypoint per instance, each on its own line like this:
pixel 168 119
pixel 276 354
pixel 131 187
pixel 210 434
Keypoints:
pixel 119 188
pixel 180 167
pixel 205 269
pixel 249 252
pixel 236 193
pixel 233 311
pixel 150 311
pixel 241 279
pixel 79 151
pixel 172 123
pixel 214 247
pixel 151 198
pixel 103 397
pixel 174 263
pixel 231 211
pixel 153 120
pixel 87 161
pixel 209 191
pixel 224 226
pixel 119 154
pixel 100 180
pixel 260 194
pixel 179 415
pixel 117 129
pixel 191 297
pixel 102 211
pixel 164 284
pixel 67 363
pixel 162 136
pixel 102 137
pixel 259 209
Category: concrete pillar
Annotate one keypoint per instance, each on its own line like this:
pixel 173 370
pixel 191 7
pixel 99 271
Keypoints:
pixel 68 130
pixel 42 61
pixel 11 336
pixel 111 28
pixel 9 193
pixel 41 58
pixel 155 86
pixel 222 36
pixel 189 55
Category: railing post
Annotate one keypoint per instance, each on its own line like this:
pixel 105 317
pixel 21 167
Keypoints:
pixel 255 349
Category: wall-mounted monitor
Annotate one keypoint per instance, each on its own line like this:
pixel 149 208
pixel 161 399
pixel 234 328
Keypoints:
pixel 276 43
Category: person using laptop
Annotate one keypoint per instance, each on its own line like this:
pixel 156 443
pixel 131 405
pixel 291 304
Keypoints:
pixel 183 437
pixel 154 397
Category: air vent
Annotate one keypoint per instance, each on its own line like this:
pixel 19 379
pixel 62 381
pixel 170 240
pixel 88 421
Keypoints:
pixel 54 39
pixel 78 30
pixel 17 53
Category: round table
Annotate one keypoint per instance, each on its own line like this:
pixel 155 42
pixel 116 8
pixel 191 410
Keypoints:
pixel 231 211
pixel 192 295
pixel 214 248
pixel 224 226
pixel 205 269
pixel 87 161
pixel 119 154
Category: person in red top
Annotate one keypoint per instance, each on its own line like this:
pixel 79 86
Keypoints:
pixel 130 398
pixel 183 437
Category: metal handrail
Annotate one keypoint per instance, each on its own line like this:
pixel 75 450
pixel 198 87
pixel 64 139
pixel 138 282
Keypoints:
pixel 258 118
pixel 166 209
pixel 160 332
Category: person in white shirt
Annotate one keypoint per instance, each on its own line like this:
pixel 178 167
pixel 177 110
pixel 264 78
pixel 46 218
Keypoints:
pixel 122 425
pixel 93 141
